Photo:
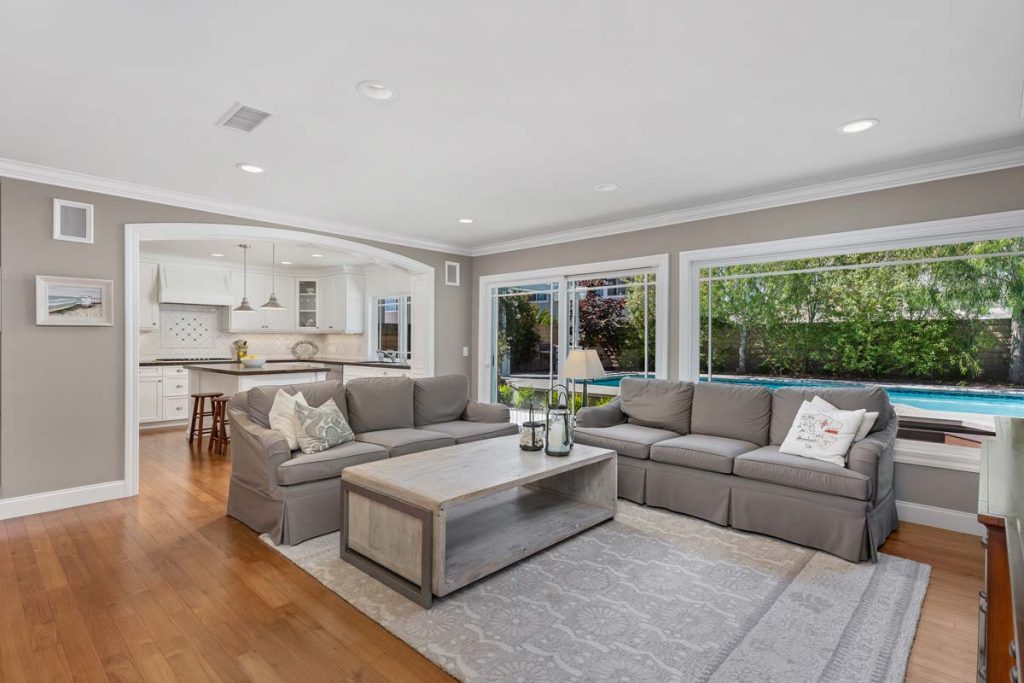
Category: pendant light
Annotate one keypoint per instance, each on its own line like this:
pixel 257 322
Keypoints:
pixel 244 307
pixel 272 302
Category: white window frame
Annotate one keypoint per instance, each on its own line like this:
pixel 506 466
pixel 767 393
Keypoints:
pixel 991 226
pixel 659 263
pixel 404 318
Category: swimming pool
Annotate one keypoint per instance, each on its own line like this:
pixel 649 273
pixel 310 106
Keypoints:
pixel 980 401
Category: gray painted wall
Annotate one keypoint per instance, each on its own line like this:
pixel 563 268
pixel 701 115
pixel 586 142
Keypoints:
pixel 956 197
pixel 62 391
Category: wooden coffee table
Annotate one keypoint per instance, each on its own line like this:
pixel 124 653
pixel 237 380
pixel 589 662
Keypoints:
pixel 430 523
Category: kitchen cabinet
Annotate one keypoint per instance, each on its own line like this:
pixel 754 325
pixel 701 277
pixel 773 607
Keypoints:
pixel 308 304
pixel 149 296
pixel 258 288
pixel 356 371
pixel 342 304
pixel 150 395
pixel 163 393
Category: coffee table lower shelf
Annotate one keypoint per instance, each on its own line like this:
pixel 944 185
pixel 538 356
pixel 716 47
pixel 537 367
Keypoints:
pixel 421 553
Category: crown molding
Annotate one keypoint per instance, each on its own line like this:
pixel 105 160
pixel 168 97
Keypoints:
pixel 967 165
pixel 21 170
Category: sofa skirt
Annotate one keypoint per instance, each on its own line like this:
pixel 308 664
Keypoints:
pixel 851 529
pixel 293 514
pixel 689 491
pixel 632 475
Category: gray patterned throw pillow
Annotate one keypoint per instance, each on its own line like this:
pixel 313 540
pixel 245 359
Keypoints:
pixel 318 429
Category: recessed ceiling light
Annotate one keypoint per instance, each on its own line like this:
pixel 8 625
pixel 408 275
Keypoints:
pixel 216 254
pixel 858 126
pixel 467 221
pixel 250 168
pixel 286 263
pixel 606 187
pixel 317 255
pixel 375 90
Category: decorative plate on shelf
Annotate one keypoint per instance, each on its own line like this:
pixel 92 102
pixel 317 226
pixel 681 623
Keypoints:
pixel 305 349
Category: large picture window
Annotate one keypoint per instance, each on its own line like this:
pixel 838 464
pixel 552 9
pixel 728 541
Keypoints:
pixel 941 327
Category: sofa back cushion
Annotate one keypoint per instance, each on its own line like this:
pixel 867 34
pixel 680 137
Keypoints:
pixel 261 399
pixel 735 411
pixel 376 403
pixel 786 403
pixel 659 403
pixel 440 399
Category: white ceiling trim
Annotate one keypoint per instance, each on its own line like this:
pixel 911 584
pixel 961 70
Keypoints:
pixel 21 170
pixel 977 163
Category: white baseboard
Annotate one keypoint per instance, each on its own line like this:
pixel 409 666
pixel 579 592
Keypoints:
pixel 942 518
pixel 65 498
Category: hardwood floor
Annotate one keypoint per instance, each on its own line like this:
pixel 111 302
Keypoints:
pixel 164 587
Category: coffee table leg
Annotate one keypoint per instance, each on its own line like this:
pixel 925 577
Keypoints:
pixel 423 593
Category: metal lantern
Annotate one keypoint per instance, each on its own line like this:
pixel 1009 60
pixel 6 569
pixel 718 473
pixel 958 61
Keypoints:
pixel 531 434
pixel 559 423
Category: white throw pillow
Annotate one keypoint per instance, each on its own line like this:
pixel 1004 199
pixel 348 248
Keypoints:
pixel 865 425
pixel 282 415
pixel 822 433
pixel 321 428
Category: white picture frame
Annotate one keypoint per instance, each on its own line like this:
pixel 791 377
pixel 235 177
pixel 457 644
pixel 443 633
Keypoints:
pixel 60 232
pixel 74 301
pixel 452 273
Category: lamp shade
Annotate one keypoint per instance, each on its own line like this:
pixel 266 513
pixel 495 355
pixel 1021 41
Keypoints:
pixel 584 364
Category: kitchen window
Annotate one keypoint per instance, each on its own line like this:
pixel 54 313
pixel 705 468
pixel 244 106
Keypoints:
pixel 394 326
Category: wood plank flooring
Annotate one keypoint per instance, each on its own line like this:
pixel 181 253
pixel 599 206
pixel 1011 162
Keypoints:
pixel 164 587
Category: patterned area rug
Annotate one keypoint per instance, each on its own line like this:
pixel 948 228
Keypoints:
pixel 656 596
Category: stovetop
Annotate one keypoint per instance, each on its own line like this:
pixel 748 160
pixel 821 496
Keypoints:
pixel 192 359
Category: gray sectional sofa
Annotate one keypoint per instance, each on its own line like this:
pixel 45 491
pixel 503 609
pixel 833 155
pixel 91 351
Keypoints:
pixel 294 496
pixel 711 450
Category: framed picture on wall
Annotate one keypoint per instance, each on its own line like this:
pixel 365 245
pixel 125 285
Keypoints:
pixel 72 221
pixel 74 301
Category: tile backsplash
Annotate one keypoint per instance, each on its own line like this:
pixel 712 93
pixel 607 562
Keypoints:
pixel 189 331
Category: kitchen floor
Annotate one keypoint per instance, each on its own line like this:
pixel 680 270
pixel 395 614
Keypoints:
pixel 164 586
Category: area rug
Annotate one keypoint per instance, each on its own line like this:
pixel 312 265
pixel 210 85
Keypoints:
pixel 655 596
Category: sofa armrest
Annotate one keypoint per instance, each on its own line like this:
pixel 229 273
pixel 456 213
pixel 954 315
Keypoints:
pixel 255 451
pixel 486 412
pixel 872 456
pixel 608 415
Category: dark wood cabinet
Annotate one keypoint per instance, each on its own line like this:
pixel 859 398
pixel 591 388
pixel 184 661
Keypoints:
pixel 1000 509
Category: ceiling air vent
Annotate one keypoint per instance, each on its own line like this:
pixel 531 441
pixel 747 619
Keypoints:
pixel 243 118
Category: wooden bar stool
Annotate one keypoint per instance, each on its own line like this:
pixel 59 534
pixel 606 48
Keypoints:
pixel 219 438
pixel 199 413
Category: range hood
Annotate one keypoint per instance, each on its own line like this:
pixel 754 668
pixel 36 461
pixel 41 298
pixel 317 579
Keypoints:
pixel 181 284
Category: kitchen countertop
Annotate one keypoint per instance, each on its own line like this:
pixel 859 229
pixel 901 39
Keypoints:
pixel 240 370
pixel 326 360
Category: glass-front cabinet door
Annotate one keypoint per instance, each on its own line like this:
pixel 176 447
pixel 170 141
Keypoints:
pixel 309 304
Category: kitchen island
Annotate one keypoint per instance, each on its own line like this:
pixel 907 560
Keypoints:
pixel 230 378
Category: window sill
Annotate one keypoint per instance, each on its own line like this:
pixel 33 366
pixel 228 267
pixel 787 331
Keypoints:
pixel 959 458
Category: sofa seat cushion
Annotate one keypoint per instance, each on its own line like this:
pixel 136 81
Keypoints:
pixel 768 464
pixel 327 464
pixel 406 441
pixel 630 440
pixel 463 431
pixel 701 451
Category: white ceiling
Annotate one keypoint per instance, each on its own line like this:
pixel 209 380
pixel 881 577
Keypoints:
pixel 508 113
pixel 299 254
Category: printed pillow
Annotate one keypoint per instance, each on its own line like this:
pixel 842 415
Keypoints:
pixel 282 415
pixel 321 428
pixel 822 434
pixel 865 425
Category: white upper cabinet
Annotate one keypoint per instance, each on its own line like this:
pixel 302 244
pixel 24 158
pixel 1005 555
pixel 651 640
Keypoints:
pixel 258 288
pixel 308 304
pixel 342 304
pixel 149 300
pixel 280 320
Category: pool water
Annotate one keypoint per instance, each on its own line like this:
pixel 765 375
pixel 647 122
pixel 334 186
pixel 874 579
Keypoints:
pixel 980 401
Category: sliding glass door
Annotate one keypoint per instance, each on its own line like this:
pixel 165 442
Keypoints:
pixel 524 342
